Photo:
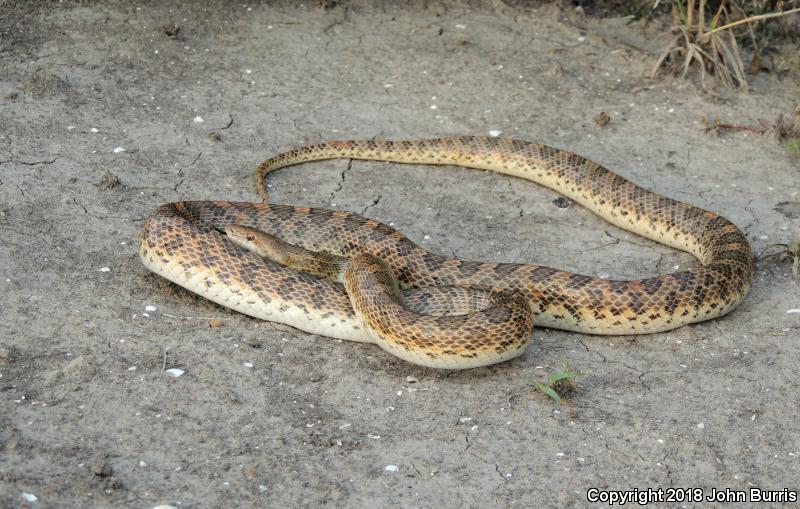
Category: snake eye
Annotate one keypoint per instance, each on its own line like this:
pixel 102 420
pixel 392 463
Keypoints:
pixel 251 237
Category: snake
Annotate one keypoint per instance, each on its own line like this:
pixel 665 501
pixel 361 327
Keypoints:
pixel 429 309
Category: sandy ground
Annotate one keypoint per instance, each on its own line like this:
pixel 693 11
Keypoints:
pixel 267 415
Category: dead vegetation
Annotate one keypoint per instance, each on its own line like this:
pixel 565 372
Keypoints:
pixel 787 252
pixel 708 36
pixel 784 129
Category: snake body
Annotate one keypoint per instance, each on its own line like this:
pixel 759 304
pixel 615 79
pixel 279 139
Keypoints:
pixel 438 322
pixel 185 242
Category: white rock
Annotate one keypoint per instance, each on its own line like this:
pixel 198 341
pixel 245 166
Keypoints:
pixel 175 372
pixel 142 463
pixel 248 364
pixel 150 308
pixel 118 150
pixel 105 269
pixel 198 119
pixel 701 425
pixel 165 506
pixel 391 468
pixel 495 132
pixel 792 311
pixel 29 497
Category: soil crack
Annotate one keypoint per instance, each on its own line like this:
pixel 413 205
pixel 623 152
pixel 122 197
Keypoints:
pixel 343 177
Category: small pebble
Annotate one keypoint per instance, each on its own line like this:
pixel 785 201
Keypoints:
pixel 701 425
pixel 198 119
pixel 792 311
pixel 119 150
pixel 601 119
pixel 105 269
pixel 391 468
pixel 495 132
pixel 561 202
pixel 248 364
pixel 175 372
pixel 150 308
pixel 30 497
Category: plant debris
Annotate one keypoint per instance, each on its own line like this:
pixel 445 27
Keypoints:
pixel 711 44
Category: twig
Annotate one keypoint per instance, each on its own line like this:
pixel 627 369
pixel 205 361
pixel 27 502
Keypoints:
pixel 763 252
pixel 753 18
pixel 739 127
pixel 164 364
pixel 187 317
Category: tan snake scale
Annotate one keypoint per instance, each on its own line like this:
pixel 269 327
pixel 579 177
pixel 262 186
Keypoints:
pixel 185 242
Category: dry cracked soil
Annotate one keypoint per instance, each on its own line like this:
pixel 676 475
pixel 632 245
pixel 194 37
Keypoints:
pixel 107 110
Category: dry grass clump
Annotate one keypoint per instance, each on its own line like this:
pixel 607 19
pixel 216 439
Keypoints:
pixel 709 39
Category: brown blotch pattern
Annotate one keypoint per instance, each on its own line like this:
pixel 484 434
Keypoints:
pixel 189 233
